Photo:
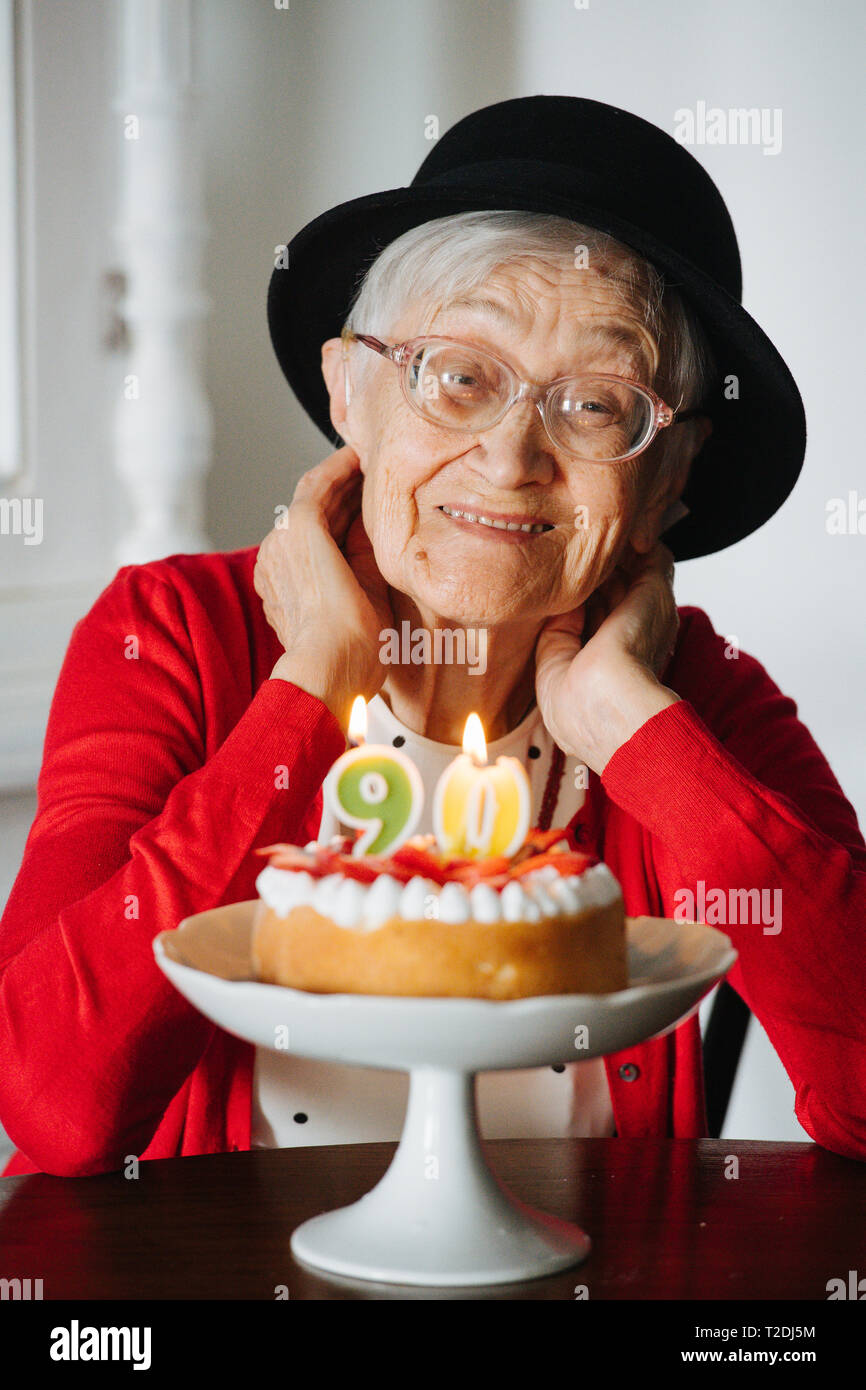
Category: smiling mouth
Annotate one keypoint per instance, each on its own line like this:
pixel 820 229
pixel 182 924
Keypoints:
pixel 498 523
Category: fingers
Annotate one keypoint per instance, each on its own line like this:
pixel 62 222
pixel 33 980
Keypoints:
pixel 657 563
pixel 570 624
pixel 660 560
pixel 561 638
pixel 327 484
pixel 606 598
pixel 332 490
pixel 616 589
pixel 357 541
pixel 341 512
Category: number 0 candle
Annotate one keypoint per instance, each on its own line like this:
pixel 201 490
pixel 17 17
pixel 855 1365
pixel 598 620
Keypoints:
pixel 374 788
pixel 478 809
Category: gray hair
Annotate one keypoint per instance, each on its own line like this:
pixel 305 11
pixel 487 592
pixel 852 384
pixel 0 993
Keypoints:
pixel 444 258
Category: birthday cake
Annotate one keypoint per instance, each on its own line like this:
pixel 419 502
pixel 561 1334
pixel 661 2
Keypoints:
pixel 545 919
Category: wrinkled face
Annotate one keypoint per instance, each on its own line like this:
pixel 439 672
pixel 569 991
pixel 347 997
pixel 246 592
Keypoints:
pixel 552 323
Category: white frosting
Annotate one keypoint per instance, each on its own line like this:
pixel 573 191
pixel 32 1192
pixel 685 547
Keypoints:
pixel 418 899
pixel 544 893
pixel 485 903
pixel 454 903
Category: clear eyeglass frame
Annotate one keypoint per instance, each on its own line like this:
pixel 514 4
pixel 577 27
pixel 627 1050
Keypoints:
pixel 660 415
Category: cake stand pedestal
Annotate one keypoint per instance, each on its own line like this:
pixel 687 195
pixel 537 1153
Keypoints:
pixel 439 1216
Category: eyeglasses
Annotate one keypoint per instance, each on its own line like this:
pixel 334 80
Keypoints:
pixel 597 418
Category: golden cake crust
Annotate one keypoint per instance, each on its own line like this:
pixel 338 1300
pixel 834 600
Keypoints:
pixel 583 953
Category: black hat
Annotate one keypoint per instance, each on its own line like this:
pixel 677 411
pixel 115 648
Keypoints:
pixel 612 170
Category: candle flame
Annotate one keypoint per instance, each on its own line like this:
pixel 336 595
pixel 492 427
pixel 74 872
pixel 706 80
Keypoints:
pixel 358 720
pixel 474 742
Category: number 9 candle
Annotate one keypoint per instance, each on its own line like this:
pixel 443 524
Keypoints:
pixel 374 788
pixel 478 809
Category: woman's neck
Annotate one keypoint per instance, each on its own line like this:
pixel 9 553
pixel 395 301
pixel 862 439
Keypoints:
pixel 439 672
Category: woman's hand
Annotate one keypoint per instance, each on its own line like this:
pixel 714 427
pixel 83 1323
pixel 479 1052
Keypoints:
pixel 321 589
pixel 597 668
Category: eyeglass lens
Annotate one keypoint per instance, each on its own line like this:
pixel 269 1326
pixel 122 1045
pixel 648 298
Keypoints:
pixel 465 389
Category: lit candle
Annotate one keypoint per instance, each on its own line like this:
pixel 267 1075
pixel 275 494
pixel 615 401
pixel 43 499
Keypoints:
pixel 374 788
pixel 478 809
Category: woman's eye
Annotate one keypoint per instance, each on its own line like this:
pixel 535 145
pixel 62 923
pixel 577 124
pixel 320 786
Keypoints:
pixel 460 379
pixel 587 407
pixel 463 383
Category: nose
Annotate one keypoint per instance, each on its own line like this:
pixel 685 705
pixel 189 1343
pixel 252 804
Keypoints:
pixel 518 449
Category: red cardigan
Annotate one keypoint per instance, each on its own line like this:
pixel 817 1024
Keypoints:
pixel 158 780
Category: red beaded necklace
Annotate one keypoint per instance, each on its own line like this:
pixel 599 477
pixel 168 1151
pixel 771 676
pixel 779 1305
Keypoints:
pixel 551 788
pixel 554 779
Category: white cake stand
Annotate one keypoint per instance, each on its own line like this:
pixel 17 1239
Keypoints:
pixel 439 1216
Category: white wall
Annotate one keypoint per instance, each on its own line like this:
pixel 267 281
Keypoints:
pixel 66 192
pixel 306 108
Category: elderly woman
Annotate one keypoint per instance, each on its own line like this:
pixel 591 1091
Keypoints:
pixel 544 369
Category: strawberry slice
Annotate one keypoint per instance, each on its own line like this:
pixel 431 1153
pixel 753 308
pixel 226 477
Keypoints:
pixel 537 851
pixel 419 861
pixel 359 867
pixel 567 862
pixel 366 868
pixel 288 857
pixel 496 881
pixel 539 842
pixel 473 871
pixel 329 860
pixel 542 840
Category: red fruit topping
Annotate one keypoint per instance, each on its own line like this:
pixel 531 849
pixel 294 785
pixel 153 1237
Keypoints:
pixel 538 842
pixel 537 851
pixel 541 840
pixel 328 860
pixel 360 867
pixel 472 871
pixel 569 862
pixel 419 861
pixel 286 857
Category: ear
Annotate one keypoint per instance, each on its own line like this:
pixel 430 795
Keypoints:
pixel 335 372
pixel 648 523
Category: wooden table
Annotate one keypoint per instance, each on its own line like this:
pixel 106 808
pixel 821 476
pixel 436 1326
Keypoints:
pixel 668 1220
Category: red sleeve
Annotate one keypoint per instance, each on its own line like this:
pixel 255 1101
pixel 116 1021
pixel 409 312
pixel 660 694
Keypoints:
pixel 735 792
pixel 136 828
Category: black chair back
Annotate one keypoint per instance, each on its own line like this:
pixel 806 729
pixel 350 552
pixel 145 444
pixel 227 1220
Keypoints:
pixel 723 1046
